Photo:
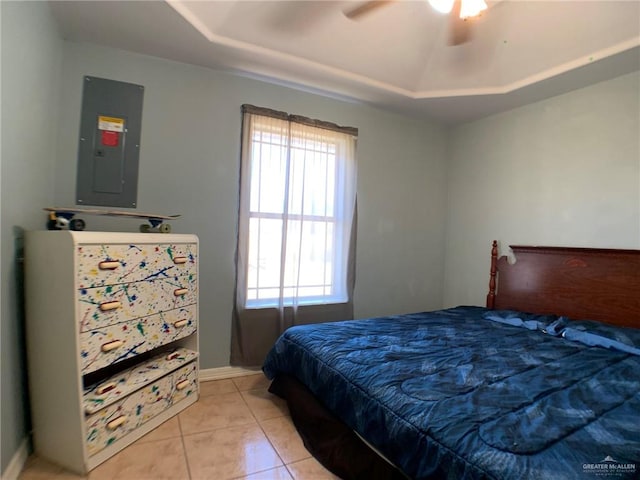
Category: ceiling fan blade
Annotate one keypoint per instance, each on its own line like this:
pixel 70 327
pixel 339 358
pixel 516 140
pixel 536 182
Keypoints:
pixel 459 28
pixel 365 8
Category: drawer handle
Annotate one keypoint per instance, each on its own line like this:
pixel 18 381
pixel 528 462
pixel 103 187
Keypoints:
pixel 182 385
pixel 113 424
pixel 106 306
pixel 179 260
pixel 180 323
pixel 108 265
pixel 180 291
pixel 107 347
pixel 105 388
pixel 173 356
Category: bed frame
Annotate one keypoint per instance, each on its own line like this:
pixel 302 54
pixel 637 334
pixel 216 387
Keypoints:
pixel 580 283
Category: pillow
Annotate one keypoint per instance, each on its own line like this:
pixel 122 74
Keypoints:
pixel 587 332
pixel 597 334
pixel 556 327
pixel 530 321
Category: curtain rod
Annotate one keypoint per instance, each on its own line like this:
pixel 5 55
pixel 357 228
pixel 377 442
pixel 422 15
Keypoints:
pixel 267 112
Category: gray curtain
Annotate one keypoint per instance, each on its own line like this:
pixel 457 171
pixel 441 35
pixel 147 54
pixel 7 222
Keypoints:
pixel 254 330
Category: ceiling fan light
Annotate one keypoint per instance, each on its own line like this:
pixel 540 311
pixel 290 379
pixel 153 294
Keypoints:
pixel 472 8
pixel 442 6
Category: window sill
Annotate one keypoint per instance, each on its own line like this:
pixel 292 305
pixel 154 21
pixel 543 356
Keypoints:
pixel 257 305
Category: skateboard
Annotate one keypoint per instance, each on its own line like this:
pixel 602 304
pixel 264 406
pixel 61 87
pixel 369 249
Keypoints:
pixel 63 218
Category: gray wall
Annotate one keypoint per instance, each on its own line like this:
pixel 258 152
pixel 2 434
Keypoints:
pixel 31 61
pixel 564 171
pixel 189 164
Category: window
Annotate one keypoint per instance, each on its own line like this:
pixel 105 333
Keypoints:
pixel 297 205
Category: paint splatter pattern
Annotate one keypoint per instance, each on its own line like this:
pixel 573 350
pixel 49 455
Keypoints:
pixel 138 408
pixel 111 390
pixel 138 336
pixel 152 286
pixel 134 300
pixel 132 263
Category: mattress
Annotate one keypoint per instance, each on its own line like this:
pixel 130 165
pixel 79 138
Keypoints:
pixel 472 393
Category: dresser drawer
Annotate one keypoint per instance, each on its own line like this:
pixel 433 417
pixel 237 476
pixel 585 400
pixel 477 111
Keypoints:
pixel 111 304
pixel 122 384
pixel 106 346
pixel 115 421
pixel 126 263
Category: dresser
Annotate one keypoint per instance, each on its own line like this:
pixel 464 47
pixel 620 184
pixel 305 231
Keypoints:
pixel 112 339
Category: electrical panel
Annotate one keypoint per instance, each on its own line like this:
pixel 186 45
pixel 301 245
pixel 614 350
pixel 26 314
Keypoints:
pixel 109 146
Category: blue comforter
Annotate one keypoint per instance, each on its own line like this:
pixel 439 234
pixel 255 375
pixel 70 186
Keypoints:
pixel 472 394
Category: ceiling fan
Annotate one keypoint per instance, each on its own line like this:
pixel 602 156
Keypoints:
pixel 461 15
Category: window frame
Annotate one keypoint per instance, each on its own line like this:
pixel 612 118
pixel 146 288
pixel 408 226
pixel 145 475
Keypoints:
pixel 338 289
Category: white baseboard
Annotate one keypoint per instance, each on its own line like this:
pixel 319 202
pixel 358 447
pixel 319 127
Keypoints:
pixel 225 372
pixel 17 462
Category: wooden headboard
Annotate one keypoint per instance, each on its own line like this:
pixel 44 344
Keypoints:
pixel 580 283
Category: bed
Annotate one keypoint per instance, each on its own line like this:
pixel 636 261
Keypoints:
pixel 543 382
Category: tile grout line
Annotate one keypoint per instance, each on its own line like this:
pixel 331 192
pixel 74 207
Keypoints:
pixel 182 435
pixel 184 447
pixel 289 470
pixel 263 431
pixel 256 473
pixel 286 465
pixel 199 432
pixel 255 419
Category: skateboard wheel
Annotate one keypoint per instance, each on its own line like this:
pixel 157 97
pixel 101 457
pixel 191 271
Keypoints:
pixel 77 224
pixel 164 228
pixel 145 228
pixel 52 224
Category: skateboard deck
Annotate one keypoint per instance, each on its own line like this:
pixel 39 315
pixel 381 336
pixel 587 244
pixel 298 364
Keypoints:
pixel 61 218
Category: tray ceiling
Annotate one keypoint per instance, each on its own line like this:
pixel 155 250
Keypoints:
pixel 395 57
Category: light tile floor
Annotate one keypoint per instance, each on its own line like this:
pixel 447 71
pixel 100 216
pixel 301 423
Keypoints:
pixel 236 430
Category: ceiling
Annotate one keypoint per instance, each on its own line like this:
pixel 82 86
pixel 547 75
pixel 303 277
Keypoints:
pixel 395 57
